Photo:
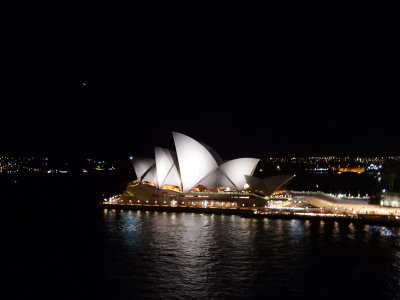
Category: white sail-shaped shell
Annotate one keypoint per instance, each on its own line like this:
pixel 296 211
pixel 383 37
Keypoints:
pixel 151 175
pixel 273 183
pixel 195 161
pixel 254 183
pixel 164 164
pixel 217 179
pixel 236 169
pixel 141 166
pixel 173 177
pixel 167 171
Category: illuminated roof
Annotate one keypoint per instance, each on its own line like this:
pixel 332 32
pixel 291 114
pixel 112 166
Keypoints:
pixel 253 182
pixel 164 164
pixel 217 179
pixel 268 185
pixel 167 170
pixel 142 165
pixel 214 153
pixel 273 183
pixel 151 175
pixel 236 169
pixel 174 178
pixel 195 161
pixel 193 164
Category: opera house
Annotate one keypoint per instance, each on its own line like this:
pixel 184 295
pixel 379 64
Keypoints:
pixel 196 176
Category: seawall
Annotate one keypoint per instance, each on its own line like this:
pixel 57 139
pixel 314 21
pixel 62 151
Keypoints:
pixel 379 220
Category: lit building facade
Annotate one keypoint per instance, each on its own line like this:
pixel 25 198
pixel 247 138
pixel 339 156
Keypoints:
pixel 196 176
pixel 390 199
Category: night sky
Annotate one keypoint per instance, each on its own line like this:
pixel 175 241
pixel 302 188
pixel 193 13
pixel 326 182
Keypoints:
pixel 247 78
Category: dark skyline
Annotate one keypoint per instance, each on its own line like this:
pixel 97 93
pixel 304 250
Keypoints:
pixel 247 79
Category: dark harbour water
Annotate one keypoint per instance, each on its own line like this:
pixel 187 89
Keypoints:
pixel 72 249
pixel 211 256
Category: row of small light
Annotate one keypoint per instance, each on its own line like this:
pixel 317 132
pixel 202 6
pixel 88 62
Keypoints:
pixel 111 199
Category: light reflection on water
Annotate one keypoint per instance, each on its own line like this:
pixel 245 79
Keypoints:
pixel 164 255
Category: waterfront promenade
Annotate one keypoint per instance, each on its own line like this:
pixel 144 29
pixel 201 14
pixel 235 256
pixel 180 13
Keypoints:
pixel 322 207
pixel 340 206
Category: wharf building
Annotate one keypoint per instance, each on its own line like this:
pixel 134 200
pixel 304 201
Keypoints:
pixel 196 176
pixel 390 199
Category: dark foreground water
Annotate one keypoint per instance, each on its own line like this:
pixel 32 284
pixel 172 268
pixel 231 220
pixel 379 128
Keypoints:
pixel 75 250
pixel 211 256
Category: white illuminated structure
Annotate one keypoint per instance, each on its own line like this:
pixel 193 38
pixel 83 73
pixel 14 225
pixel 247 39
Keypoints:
pixel 142 166
pixel 167 171
pixel 195 176
pixel 267 185
pixel 151 174
pixel 196 165
pixel 195 161
pixel 217 179
pixel 236 169
pixel 164 164
pixel 193 164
